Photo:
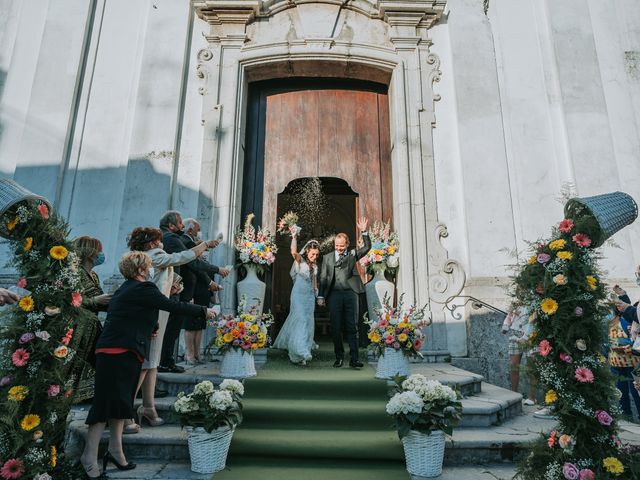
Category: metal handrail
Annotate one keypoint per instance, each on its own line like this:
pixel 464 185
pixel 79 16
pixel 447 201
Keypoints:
pixel 476 304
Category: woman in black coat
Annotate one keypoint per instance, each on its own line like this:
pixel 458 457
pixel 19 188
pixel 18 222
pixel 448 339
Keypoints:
pixel 124 343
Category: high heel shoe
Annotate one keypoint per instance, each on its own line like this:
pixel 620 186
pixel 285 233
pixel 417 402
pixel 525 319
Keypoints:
pixel 109 458
pixel 90 469
pixel 153 421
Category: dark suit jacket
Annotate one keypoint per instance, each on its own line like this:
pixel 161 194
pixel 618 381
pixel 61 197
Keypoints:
pixel 201 292
pixel 328 268
pixel 133 314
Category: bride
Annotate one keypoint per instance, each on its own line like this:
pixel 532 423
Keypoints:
pixel 296 335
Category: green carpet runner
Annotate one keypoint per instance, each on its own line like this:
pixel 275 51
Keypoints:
pixel 315 422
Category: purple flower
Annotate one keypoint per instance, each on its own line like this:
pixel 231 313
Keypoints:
pixel 603 418
pixel 579 311
pixel 26 338
pixel 4 381
pixel 396 345
pixel 570 471
pixel 543 257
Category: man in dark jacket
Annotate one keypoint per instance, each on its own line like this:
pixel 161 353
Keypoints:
pixel 173 229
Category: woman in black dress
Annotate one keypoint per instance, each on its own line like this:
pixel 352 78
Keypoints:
pixel 122 347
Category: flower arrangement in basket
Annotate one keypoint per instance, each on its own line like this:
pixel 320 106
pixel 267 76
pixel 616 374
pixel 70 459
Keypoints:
pixel 397 328
pixel 211 416
pixel 43 340
pixel 423 411
pixel 288 224
pixel 383 254
pixel 255 247
pixel 246 331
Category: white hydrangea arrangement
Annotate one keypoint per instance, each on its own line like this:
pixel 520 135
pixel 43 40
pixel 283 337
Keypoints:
pixel 424 405
pixel 211 408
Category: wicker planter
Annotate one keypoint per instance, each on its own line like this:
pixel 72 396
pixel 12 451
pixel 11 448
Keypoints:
pixel 12 194
pixel 393 362
pixel 424 453
pixel 237 363
pixel 208 451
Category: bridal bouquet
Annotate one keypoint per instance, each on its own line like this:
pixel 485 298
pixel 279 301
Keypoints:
pixel 255 247
pixel 384 248
pixel 424 406
pixel 246 331
pixel 398 328
pixel 211 408
pixel 288 223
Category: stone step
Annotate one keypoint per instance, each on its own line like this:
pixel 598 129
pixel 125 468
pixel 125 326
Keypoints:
pixel 468 445
pixel 468 383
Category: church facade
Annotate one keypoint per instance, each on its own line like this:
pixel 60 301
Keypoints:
pixel 462 126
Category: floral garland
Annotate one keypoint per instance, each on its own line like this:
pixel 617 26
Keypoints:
pixel 561 283
pixel 39 339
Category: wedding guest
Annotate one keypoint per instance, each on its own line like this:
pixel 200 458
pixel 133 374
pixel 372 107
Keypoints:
pixel 149 240
pixel 514 325
pixel 7 297
pixel 89 251
pixel 200 287
pixel 120 352
pixel 623 362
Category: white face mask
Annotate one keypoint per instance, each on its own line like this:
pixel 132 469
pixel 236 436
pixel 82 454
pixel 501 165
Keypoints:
pixel 150 274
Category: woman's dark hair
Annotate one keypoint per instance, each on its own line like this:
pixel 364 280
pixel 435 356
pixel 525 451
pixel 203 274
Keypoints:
pixel 141 238
pixel 311 246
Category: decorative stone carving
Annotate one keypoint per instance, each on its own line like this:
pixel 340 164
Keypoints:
pixel 204 55
pixel 228 18
pixel 435 74
pixel 448 277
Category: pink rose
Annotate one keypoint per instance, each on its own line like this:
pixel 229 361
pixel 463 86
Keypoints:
pixel 20 357
pixel 43 335
pixel 603 418
pixel 417 343
pixel 396 345
pixel 4 381
pixel 26 338
pixel 581 240
pixel 364 261
pixel 579 311
pixel 566 225
pixel 545 348
pixel 570 471
pixel 566 358
pixel 584 375
pixel 388 340
pixel 22 283
pixel 543 257
pixel 53 390
pixel 76 299
pixel 44 211
pixel 586 474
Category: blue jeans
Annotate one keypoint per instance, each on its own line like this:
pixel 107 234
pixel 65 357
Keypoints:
pixel 624 383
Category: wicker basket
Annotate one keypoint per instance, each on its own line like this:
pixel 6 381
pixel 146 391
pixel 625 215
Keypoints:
pixel 237 363
pixel 208 451
pixel 424 453
pixel 612 211
pixel 12 194
pixel 393 362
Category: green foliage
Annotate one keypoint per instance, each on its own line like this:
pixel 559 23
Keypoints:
pixel 561 284
pixel 46 330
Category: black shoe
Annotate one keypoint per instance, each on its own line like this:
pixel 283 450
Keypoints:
pixel 177 369
pixel 160 393
pixel 356 364
pixel 163 369
pixel 109 458
pixel 338 363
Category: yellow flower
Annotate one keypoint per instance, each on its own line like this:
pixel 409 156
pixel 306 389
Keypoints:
pixel 228 337
pixel 402 337
pixel 532 260
pixel 549 306
pixel 254 328
pixel 564 255
pixel 261 343
pixel 58 252
pixel 29 422
pixel 557 244
pixel 533 335
pixel 28 243
pixel 613 465
pixel 375 337
pixel 27 304
pixel 592 282
pixel 18 393
pixel 254 346
pixel 54 456
pixel 551 396
pixel 392 250
pixel 560 279
pixel 12 224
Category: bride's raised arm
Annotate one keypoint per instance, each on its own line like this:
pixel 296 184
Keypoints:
pixel 294 247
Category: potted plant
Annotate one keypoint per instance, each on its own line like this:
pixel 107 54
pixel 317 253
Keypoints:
pixel 382 256
pixel 211 416
pixel 423 411
pixel 238 336
pixel 256 251
pixel 396 334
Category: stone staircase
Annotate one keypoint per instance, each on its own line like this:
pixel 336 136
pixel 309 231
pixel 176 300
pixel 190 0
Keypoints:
pixel 494 428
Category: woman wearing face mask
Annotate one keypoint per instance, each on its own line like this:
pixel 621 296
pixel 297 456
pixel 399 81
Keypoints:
pixel 149 240
pixel 89 251
pixel 123 346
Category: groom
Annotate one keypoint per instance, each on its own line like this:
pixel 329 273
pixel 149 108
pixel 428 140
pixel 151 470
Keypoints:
pixel 339 287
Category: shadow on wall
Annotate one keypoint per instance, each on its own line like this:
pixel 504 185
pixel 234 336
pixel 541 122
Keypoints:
pixel 108 203
pixel 3 81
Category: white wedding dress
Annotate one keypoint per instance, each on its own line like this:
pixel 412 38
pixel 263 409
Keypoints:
pixel 296 335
